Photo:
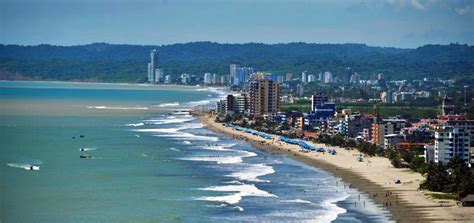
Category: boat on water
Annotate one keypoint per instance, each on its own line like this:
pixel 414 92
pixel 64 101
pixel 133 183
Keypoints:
pixel 86 156
pixel 32 167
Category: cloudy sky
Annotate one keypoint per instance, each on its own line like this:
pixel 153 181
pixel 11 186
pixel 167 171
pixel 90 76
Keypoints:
pixel 397 23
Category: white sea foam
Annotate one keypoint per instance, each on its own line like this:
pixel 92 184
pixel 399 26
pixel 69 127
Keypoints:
pixel 242 190
pixel 251 172
pixel 298 201
pixel 165 130
pixel 187 142
pixel 101 107
pixel 24 166
pixel 332 209
pixel 238 208
pixel 167 105
pixel 222 159
pixel 199 103
pixel 169 120
pixel 185 135
pixel 174 149
pixel 135 124
pixel 222 147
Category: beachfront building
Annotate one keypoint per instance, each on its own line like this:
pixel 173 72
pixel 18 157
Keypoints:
pixel 221 107
pixel 386 127
pixel 458 121
pixel 356 123
pixel 264 97
pixel 153 67
pixel 207 78
pixel 391 140
pixel 451 142
pixel 429 153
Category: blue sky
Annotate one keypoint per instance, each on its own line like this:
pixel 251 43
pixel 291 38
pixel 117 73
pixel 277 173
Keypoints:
pixel 397 23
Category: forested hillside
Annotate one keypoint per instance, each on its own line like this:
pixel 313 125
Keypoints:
pixel 128 63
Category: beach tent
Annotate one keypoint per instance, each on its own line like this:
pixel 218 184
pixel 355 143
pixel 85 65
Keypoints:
pixel 360 158
pixel 264 135
pixel 332 151
pixel 320 149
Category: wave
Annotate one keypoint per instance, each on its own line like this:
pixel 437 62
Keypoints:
pixel 200 103
pixel 187 142
pixel 219 147
pixel 166 105
pixel 298 201
pixel 101 107
pixel 222 159
pixel 242 190
pixel 135 124
pixel 189 136
pixel 332 209
pixel 174 149
pixel 169 120
pixel 251 172
pixel 24 166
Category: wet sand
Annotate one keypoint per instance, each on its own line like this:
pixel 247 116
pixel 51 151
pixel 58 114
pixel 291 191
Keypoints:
pixel 374 176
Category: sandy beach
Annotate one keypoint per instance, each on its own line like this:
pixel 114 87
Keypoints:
pixel 374 176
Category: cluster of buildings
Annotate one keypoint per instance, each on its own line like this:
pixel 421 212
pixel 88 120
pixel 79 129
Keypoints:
pixel 443 138
pixel 261 98
pixel 155 74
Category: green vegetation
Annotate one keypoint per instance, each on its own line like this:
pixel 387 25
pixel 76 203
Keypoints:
pixel 404 110
pixel 107 62
pixel 442 196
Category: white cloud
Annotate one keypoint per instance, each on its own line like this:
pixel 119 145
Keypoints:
pixel 464 10
pixel 417 5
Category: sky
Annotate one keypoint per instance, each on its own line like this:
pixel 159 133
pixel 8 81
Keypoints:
pixel 389 23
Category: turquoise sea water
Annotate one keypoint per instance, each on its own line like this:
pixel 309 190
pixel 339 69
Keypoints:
pixel 151 162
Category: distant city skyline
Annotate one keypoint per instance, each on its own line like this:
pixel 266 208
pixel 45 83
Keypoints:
pixel 389 23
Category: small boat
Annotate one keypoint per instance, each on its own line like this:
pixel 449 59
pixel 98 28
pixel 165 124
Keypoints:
pixel 82 149
pixel 33 167
pixel 86 156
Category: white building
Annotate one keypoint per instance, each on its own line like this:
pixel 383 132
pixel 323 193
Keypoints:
pixel 168 79
pixel 304 77
pixel 327 77
pixel 311 78
pixel 207 78
pixel 158 75
pixel 451 142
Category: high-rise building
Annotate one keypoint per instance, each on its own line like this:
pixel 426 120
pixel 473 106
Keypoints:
pixel 150 73
pixel 300 89
pixel 311 78
pixel 289 76
pixel 318 98
pixel 304 77
pixel 214 79
pixel 386 127
pixel 346 77
pixel 355 78
pixel 447 106
pixel 280 79
pixel 451 142
pixel 239 75
pixel 264 95
pixel 320 76
pixel 232 68
pixel 158 75
pixel 207 78
pixel 328 78
pixel 153 65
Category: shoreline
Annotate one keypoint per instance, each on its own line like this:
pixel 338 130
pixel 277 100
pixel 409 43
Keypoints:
pixel 374 177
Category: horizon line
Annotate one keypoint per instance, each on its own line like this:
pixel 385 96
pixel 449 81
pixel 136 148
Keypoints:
pixel 223 43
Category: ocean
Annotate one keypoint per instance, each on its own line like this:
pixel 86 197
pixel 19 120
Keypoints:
pixel 149 160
